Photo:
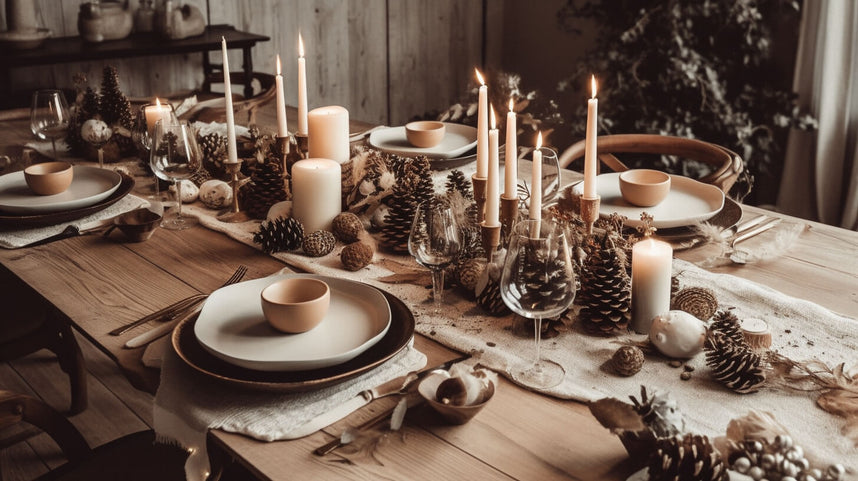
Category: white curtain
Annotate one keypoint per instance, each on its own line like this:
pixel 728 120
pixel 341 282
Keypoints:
pixel 820 180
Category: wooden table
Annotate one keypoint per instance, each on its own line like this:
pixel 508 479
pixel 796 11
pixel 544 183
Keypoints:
pixel 101 284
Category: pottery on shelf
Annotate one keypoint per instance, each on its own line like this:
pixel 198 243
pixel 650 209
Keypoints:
pixel 180 22
pixel 97 22
pixel 24 32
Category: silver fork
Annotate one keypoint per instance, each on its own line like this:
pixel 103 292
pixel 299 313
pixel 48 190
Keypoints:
pixel 177 307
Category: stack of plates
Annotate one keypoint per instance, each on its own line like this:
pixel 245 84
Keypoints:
pixel 231 341
pixel 458 147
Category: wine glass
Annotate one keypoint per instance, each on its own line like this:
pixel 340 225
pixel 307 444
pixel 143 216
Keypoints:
pixel 144 130
pixel 49 116
pixel 538 281
pixel 175 156
pixel 434 241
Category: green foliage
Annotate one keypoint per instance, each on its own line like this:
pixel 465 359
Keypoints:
pixel 691 68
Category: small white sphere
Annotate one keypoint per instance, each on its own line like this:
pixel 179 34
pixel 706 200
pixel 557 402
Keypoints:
pixel 215 194
pixel 756 472
pixel 742 465
pixel 281 209
pixel 95 131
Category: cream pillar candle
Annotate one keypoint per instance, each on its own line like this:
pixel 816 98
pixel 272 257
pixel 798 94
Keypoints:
pixel 536 182
pixel 590 150
pixel 511 156
pixel 652 262
pixel 282 130
pixel 328 133
pixel 493 182
pixel 302 88
pixel 154 113
pixel 316 193
pixel 231 146
pixel 482 129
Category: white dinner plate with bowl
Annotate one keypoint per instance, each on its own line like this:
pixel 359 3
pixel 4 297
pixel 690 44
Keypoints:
pixel 687 203
pixel 458 139
pixel 231 327
pixel 89 186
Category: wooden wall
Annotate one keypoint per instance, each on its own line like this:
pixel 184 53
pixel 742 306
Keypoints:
pixel 384 60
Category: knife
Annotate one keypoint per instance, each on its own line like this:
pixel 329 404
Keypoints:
pixel 164 328
pixel 73 231
pixel 397 386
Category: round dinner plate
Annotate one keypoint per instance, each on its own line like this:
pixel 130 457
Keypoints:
pixel 89 186
pixel 458 139
pixel 398 336
pixel 688 202
pixel 231 326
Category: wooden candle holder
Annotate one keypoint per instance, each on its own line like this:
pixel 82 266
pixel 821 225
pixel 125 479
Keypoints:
pixel 491 235
pixel 479 184
pixel 590 211
pixel 509 214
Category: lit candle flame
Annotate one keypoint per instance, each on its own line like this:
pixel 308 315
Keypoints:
pixel 539 140
pixel 492 117
pixel 593 85
pixel 511 104
pixel 278 64
pixel 300 45
pixel 157 103
pixel 479 76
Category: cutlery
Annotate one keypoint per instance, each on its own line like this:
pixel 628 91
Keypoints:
pixel 754 232
pixel 163 329
pixel 743 226
pixel 176 308
pixel 74 231
pixel 396 386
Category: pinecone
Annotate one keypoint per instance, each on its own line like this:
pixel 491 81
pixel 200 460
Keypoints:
pixel 546 283
pixel 356 256
pixel 659 413
pixel 266 188
pixel 727 324
pixel 457 182
pixel 347 227
pixel 397 222
pixel 488 293
pixel 201 176
pixel 627 360
pixel 280 234
pixel 689 457
pixel 467 273
pixel 213 147
pixel 115 109
pixel 319 243
pixel 697 301
pixel 605 290
pixel 734 365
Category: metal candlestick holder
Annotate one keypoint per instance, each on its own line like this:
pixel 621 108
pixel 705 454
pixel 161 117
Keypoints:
pixel 286 149
pixel 479 184
pixel 590 211
pixel 235 214
pixel 302 145
pixel 491 235
pixel 508 213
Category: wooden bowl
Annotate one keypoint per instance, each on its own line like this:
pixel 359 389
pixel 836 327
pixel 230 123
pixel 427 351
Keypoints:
pixel 425 133
pixel 297 304
pixel 453 414
pixel 644 187
pixel 138 224
pixel 49 178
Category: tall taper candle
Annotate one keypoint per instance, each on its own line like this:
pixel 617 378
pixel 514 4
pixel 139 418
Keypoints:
pixel 590 152
pixel 482 128
pixel 493 186
pixel 282 130
pixel 511 155
pixel 302 88
pixel 536 182
pixel 231 146
pixel 651 270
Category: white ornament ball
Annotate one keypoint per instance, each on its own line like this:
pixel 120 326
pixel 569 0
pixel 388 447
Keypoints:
pixel 215 194
pixel 190 191
pixel 678 334
pixel 281 209
pixel 95 131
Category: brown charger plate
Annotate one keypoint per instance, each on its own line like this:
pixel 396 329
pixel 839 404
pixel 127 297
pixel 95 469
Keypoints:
pixel 398 336
pixel 14 221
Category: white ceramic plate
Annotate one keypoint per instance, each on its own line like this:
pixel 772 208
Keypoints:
pixel 232 328
pixel 89 186
pixel 458 139
pixel 688 201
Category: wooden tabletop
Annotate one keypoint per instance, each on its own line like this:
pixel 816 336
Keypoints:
pixel 101 283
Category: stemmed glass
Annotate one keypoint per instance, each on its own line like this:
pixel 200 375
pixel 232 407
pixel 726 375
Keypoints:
pixel 144 130
pixel 538 281
pixel 175 156
pixel 49 116
pixel 435 241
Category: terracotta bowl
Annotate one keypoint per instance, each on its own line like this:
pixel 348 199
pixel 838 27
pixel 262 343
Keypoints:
pixel 453 414
pixel 425 133
pixel 49 178
pixel 644 187
pixel 297 304
pixel 138 224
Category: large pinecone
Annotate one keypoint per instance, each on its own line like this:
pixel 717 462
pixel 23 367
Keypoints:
pixel 734 365
pixel 213 147
pixel 280 234
pixel 115 110
pixel 686 458
pixel 457 182
pixel 605 290
pixel 547 283
pixel 265 189
pixel 728 325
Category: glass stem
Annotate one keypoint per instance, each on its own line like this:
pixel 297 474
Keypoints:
pixel 437 286
pixel 54 146
pixel 178 184
pixel 100 158
pixel 537 337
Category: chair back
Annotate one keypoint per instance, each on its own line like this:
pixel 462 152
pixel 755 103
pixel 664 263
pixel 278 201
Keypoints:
pixel 15 408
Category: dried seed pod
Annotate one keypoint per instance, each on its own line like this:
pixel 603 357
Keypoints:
pixel 347 227
pixel 697 301
pixel 628 360
pixel 356 255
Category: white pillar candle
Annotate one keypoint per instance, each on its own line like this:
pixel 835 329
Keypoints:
pixel 493 182
pixel 652 261
pixel 511 156
pixel 154 113
pixel 590 153
pixel 316 193
pixel 282 130
pixel 302 88
pixel 482 129
pixel 328 133
pixel 536 182
pixel 231 146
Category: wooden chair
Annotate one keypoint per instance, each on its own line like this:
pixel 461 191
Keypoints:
pixel 132 457
pixel 28 324
pixel 214 109
pixel 726 165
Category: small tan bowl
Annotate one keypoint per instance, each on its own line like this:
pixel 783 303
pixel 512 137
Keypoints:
pixel 644 187
pixel 453 414
pixel 296 304
pixel 49 178
pixel 138 224
pixel 425 133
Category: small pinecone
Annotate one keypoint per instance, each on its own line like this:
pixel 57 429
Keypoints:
pixel 280 234
pixel 347 227
pixel 319 243
pixel 356 256
pixel 689 457
pixel 674 286
pixel 489 296
pixel 628 360
pixel 397 222
pixel 456 181
pixel 468 272
pixel 213 147
pixel 200 176
pixel 606 291
pixel 734 365
pixel 697 301
pixel 265 189
pixel 727 324
pixel 659 413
